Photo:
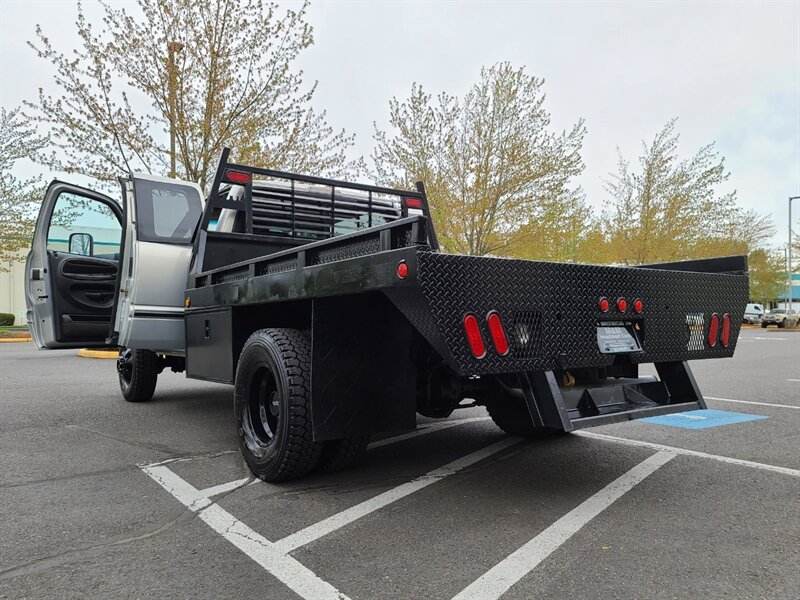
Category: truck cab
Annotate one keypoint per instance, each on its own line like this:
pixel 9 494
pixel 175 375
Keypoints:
pixel 103 273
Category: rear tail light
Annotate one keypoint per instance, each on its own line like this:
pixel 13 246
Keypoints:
pixel 498 333
pixel 622 304
pixel 474 337
pixel 237 177
pixel 603 304
pixel 413 202
pixel 638 306
pixel 713 330
pixel 725 336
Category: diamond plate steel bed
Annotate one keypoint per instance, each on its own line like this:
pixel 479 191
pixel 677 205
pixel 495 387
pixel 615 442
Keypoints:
pixel 396 327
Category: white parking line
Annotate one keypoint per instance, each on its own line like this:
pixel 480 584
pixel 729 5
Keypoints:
pixel 497 580
pixel 168 461
pixel 793 380
pixel 224 488
pixel 289 571
pixel 428 429
pixel 339 520
pixel 751 402
pixel 186 494
pixel 684 451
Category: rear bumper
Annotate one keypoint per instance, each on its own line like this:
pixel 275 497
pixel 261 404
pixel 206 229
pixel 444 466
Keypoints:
pixel 634 414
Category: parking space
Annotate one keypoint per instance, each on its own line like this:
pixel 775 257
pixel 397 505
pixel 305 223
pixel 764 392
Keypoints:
pixel 103 498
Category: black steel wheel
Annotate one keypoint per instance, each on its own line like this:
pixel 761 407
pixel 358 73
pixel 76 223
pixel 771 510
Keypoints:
pixel 511 415
pixel 138 373
pixel 272 405
pixel 342 454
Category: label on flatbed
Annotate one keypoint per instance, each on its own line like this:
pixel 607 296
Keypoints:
pixel 617 337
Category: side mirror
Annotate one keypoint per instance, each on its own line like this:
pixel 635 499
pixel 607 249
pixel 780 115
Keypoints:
pixel 81 244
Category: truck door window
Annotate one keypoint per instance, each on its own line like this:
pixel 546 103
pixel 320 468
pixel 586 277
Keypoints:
pixel 167 213
pixel 89 223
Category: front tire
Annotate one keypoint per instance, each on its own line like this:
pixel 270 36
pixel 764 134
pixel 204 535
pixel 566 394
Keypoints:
pixel 763 326
pixel 782 325
pixel 138 373
pixel 272 405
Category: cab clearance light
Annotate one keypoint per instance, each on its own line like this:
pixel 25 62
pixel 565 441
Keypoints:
pixel 402 270
pixel 237 177
pixel 474 337
pixel 413 202
pixel 603 304
pixel 622 304
pixel 725 337
pixel 713 330
pixel 498 333
pixel 638 306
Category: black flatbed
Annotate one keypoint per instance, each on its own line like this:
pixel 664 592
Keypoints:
pixel 386 312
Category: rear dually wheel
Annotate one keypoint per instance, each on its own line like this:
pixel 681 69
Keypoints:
pixel 272 405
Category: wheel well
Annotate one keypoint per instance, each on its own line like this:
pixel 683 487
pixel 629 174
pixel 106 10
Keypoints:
pixel 249 318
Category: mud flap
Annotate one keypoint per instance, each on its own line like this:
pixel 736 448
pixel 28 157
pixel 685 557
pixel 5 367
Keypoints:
pixel 362 378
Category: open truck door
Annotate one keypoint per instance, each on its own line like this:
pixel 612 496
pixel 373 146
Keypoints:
pixel 161 216
pixel 71 270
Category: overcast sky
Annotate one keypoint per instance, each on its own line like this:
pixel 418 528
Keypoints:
pixel 730 72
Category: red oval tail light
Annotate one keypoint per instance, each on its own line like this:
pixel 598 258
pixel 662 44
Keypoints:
pixel 498 333
pixel 474 337
pixel 725 336
pixel 713 330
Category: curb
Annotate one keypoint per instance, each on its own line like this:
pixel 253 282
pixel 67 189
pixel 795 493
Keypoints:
pixel 87 353
pixel 8 340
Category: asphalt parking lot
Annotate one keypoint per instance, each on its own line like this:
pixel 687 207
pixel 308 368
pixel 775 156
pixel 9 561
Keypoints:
pixel 101 498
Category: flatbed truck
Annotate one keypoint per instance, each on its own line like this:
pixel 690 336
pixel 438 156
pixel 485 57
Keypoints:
pixel 331 310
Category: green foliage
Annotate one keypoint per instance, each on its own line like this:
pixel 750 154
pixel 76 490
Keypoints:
pixel 219 73
pixel 6 319
pixel 498 180
pixel 767 275
pixel 672 209
pixel 19 198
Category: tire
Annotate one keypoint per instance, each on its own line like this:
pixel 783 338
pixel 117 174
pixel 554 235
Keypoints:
pixel 781 325
pixel 138 373
pixel 511 415
pixel 763 326
pixel 272 405
pixel 342 454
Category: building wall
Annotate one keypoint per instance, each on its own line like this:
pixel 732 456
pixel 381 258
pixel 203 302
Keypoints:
pixel 12 289
pixel 794 301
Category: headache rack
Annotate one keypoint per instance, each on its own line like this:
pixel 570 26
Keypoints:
pixel 288 205
pixel 253 212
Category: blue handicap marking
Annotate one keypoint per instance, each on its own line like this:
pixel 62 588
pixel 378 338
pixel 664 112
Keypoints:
pixel 702 419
